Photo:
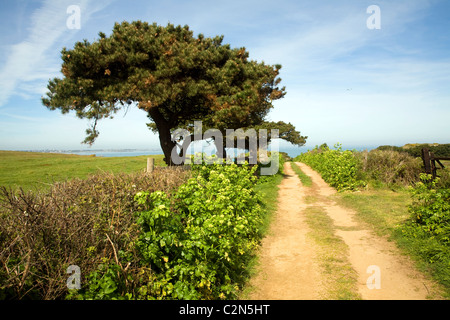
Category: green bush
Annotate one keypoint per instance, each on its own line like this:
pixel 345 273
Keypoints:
pixel 427 233
pixel 194 244
pixel 415 150
pixel 199 241
pixel 337 167
pixel 389 167
pixel 431 208
pixel 89 222
pixel 348 170
pixel 139 236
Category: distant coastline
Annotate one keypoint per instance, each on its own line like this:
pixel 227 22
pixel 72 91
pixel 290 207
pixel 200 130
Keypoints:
pixel 102 152
pixel 291 151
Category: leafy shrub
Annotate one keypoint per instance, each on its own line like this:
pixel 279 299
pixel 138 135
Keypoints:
pixel 431 208
pixel 415 150
pixel 193 244
pixel 389 167
pixel 269 163
pixel 158 236
pixel 89 223
pixel 199 242
pixel 274 170
pixel 427 233
pixel 348 170
pixel 337 167
pixel 444 178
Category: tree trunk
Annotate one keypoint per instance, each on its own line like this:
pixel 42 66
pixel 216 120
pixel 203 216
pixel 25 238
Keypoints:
pixel 167 145
pixel 165 138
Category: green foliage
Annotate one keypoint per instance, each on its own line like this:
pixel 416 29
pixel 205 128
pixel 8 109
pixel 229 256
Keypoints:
pixel 199 241
pixel 193 244
pixel 139 236
pixel 388 167
pixel 431 208
pixel 415 150
pixel 348 170
pixel 105 283
pixel 275 170
pixel 337 167
pixel 427 233
pixel 79 222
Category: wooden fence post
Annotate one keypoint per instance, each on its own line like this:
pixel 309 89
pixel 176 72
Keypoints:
pixel 433 165
pixel 426 160
pixel 150 164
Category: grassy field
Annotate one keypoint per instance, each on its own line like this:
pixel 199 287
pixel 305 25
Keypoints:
pixel 34 170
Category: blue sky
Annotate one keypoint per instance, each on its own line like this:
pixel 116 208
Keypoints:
pixel 345 82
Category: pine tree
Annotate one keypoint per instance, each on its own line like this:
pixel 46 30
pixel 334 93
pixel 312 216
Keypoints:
pixel 175 77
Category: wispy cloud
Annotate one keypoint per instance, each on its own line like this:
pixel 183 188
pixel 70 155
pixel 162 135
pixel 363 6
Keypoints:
pixel 337 31
pixel 28 65
pixel 345 80
pixel 336 50
pixel 14 116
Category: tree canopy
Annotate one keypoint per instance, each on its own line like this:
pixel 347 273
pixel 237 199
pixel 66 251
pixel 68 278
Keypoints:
pixel 175 77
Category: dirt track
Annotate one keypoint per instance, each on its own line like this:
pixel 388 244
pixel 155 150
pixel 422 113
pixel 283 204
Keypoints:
pixel 289 259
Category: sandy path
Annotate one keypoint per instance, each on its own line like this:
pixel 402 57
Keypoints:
pixel 287 259
pixel 372 256
pixel 288 262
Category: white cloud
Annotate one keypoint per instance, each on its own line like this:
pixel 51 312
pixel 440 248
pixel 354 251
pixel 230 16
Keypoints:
pixel 29 64
pixel 347 82
pixel 15 116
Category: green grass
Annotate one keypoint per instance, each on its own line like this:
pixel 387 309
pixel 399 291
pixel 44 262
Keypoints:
pixel 305 179
pixel 34 170
pixel 269 195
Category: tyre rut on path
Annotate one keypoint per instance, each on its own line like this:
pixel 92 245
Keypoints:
pixel 288 260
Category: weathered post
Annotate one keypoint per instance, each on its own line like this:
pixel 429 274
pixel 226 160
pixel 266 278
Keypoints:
pixel 150 164
pixel 433 165
pixel 426 160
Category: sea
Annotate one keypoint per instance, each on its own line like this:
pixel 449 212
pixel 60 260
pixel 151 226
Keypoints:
pixel 292 151
pixel 115 153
